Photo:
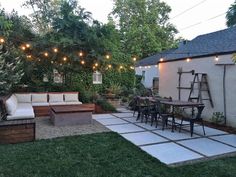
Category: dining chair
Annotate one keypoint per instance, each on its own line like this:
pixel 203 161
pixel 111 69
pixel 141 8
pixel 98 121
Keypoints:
pixel 192 120
pixel 164 115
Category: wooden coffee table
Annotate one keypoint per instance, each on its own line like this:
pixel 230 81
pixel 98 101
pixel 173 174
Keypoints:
pixel 71 114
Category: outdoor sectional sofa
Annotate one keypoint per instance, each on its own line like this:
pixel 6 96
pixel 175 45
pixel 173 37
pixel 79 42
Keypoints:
pixel 31 105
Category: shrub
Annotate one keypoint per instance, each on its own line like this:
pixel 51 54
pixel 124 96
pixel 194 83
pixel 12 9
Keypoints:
pixel 105 105
pixel 218 117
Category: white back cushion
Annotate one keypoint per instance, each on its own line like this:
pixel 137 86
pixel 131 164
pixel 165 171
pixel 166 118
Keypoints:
pixel 11 105
pixel 71 97
pixel 23 97
pixel 55 97
pixel 39 97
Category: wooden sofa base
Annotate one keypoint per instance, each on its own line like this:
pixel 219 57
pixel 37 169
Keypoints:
pixel 17 131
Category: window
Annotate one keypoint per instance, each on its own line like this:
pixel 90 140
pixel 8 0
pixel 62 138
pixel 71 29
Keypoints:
pixel 97 78
pixel 143 76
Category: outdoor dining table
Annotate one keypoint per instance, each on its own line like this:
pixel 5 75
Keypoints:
pixel 183 104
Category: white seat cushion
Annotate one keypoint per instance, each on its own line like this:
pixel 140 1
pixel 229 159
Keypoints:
pixel 71 97
pixel 40 104
pixel 73 103
pixel 23 97
pixel 55 97
pixel 11 105
pixel 57 103
pixel 39 98
pixel 23 111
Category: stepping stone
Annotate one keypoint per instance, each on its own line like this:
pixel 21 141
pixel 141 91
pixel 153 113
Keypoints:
pixel 142 138
pixel 207 147
pixel 102 116
pixel 176 135
pixel 125 128
pixel 148 126
pixel 122 115
pixel 209 131
pixel 170 153
pixel 123 110
pixel 227 139
pixel 112 121
pixel 131 119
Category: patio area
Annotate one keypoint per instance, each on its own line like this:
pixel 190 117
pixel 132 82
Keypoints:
pixel 171 148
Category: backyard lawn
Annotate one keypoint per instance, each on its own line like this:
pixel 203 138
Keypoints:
pixel 103 155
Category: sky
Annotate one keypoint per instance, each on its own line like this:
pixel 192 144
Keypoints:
pixel 190 17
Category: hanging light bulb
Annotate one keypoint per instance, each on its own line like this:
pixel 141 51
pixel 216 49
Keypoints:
pixel 80 53
pixel 2 40
pixel 23 47
pixel 27 45
pixel 216 58
pixel 55 50
pixel 45 54
pixel 107 56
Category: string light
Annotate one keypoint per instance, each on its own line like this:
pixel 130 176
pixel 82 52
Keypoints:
pixel 27 45
pixel 149 66
pixel 188 60
pixel 94 67
pixel 23 47
pixel 140 67
pixel 109 66
pixel 64 58
pixel 80 54
pixel 156 66
pixel 134 59
pixel 29 56
pixel 131 67
pixel 121 67
pixel 82 62
pixel 52 62
pixel 46 54
pixel 96 64
pixel 216 58
pixel 161 59
pixel 2 40
pixel 107 56
pixel 55 50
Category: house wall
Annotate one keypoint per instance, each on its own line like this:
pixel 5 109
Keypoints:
pixel 150 73
pixel 169 82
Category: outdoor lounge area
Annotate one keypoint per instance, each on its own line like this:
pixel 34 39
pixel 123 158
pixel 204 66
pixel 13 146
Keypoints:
pixel 117 88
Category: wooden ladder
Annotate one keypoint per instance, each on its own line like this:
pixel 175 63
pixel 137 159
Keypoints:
pixel 202 86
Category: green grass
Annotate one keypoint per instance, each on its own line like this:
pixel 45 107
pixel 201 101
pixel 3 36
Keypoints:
pixel 103 155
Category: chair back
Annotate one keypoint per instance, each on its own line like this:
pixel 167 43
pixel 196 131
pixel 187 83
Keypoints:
pixel 199 114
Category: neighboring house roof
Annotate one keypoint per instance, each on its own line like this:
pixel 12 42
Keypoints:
pixel 216 43
pixel 154 59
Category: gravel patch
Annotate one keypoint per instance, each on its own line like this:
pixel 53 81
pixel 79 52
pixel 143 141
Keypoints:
pixel 46 130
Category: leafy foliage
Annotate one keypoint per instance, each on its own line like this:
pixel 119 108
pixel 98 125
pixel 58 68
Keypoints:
pixel 231 15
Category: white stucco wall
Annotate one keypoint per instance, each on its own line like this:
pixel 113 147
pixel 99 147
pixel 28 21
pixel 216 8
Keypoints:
pixel 169 81
pixel 150 73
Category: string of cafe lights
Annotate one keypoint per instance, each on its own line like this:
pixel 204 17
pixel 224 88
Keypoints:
pixel 65 59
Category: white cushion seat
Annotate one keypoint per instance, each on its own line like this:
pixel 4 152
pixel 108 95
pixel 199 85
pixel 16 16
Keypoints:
pixel 23 111
pixel 39 98
pixel 40 104
pixel 11 105
pixel 55 97
pixel 71 97
pixel 23 97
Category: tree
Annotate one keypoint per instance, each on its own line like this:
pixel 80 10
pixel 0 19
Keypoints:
pixel 144 26
pixel 231 15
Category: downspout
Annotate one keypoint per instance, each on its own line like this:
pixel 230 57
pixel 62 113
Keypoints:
pixel 224 94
